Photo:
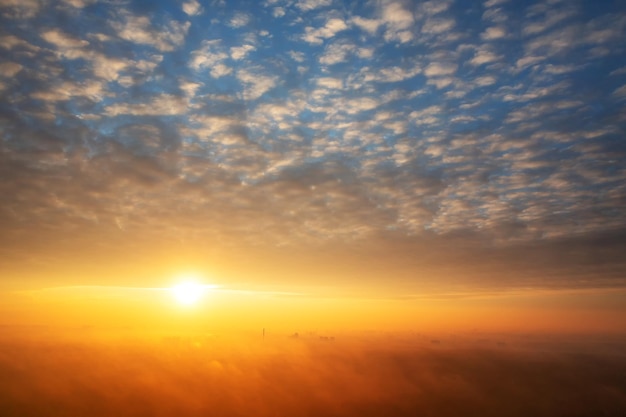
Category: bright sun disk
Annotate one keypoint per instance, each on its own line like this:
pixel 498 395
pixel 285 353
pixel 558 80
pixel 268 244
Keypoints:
pixel 188 293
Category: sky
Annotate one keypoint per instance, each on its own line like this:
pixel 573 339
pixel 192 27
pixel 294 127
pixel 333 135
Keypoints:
pixel 381 148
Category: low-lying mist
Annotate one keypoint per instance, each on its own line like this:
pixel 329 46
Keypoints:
pixel 310 375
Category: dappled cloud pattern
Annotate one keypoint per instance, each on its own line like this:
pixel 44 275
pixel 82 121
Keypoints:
pixel 304 123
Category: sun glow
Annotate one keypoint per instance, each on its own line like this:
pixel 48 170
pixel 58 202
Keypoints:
pixel 188 292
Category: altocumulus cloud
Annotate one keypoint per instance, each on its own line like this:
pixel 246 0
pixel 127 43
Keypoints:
pixel 304 123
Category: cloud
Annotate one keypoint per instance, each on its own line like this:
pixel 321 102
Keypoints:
pixel 240 52
pixel 431 8
pixel 306 5
pixel 483 56
pixel 361 104
pixel 551 18
pixel 278 12
pixel 336 53
pixel 436 26
pixel 527 61
pixel 331 83
pixel 138 29
pixel 439 68
pixel 620 92
pixel 426 116
pixel 62 40
pixel 369 25
pixel 79 4
pixel 493 32
pixel 211 55
pixel 163 104
pixel 10 42
pixel 444 375
pixel 189 88
pixel 492 3
pixel 255 83
pixel 485 80
pixel 398 20
pixel 20 9
pixel 330 29
pixel 72 48
pixel 93 90
pixel 391 74
pixel 220 128
pixel 406 120
pixel 192 8
pixel 239 20
pixel 9 69
pixel 297 56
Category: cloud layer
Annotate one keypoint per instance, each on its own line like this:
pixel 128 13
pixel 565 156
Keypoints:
pixel 367 377
pixel 290 123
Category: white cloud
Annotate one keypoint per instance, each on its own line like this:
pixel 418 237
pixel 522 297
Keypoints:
pixel 491 3
pixel 161 105
pixel 239 20
pixel 93 90
pixel 210 55
pixel 255 83
pixel 495 16
pixel 11 41
pixel 485 80
pixel 437 26
pixel 305 5
pixel 365 52
pixel 552 18
pixel 483 56
pixel 206 126
pixel 528 61
pixel 137 29
pixel 20 9
pixel 148 65
pixel 620 92
pixel 192 8
pixel 368 25
pixel 391 74
pixel 220 70
pixel 297 56
pixel 9 69
pixel 79 4
pixel 462 119
pixel 426 116
pixel 330 83
pixel 336 53
pixel 399 21
pixel 72 48
pixel 434 7
pixel 240 52
pixel 278 12
pixel 555 42
pixel 189 87
pixel 493 32
pixel 330 29
pixel 108 68
pixel 443 82
pixel 395 14
pixel 560 69
pixel 62 40
pixel 440 68
pixel 361 104
pixel 619 71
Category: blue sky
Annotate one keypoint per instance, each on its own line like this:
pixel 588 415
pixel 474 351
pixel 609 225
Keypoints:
pixel 313 124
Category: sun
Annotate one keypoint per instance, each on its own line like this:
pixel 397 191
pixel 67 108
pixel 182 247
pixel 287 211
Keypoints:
pixel 188 293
